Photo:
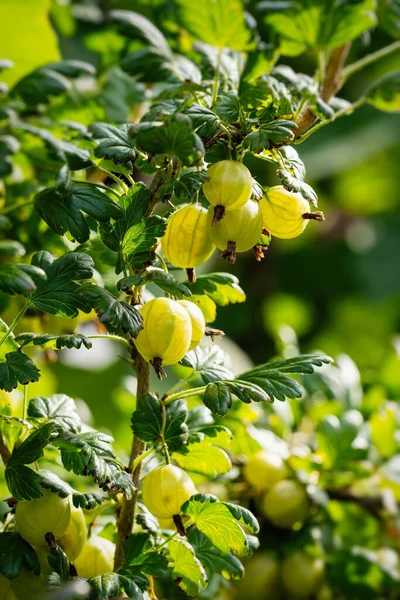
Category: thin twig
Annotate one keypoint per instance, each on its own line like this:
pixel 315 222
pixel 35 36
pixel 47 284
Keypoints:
pixel 369 59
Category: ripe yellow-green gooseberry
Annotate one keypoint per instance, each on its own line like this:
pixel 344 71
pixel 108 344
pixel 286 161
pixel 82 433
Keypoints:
pixel 229 187
pixel 261 578
pixel 48 514
pixel 96 558
pixel 6 592
pixel 197 319
pixel 165 490
pixel 187 242
pixel 239 230
pixel 286 503
pixel 166 334
pixel 302 575
pixel 264 469
pixel 75 537
pixel 286 214
pixel 27 580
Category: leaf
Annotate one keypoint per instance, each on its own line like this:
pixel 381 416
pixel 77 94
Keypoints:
pixel 216 23
pixel 204 458
pixel 58 408
pixel 23 483
pixel 63 210
pixel 383 426
pixel 139 556
pixel 147 422
pixel 119 317
pixel 223 288
pixel 166 281
pixel 59 563
pixel 217 398
pixel 15 554
pixel 50 481
pixel 187 570
pixel 385 93
pixel 20 278
pixel 205 122
pixel 278 132
pixel 58 294
pixel 207 364
pixel 172 137
pixel 349 21
pixel 50 340
pixel 272 378
pixel 40 85
pixel 115 143
pixel 110 585
pixel 8 145
pixel 217 523
pixel 149 65
pixel 296 185
pixel 17 368
pixel 244 517
pixel 335 438
pixel 228 107
pixel 216 562
pixel 137 26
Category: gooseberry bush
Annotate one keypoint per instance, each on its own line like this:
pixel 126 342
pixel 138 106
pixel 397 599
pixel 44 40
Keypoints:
pixel 116 186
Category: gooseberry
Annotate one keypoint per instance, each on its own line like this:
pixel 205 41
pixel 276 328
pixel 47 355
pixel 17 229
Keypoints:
pixel 261 578
pixel 74 539
pixel 48 514
pixel 187 242
pixel 229 187
pixel 166 334
pixel 264 469
pixel 25 581
pixel 165 490
pixel 96 558
pixel 286 503
pixel 197 320
pixel 239 231
pixel 286 214
pixel 302 574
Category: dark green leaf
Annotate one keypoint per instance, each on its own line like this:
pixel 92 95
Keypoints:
pixel 110 585
pixel 218 398
pixel 173 137
pixel 52 340
pixel 15 554
pixel 119 317
pixel 148 65
pixel 246 392
pixel 17 368
pixel 137 26
pixel 213 559
pixel 243 516
pixel 147 422
pixel 20 278
pixel 296 185
pixel 8 145
pixel 59 562
pixel 278 132
pixel 58 294
pixel 205 122
pixel 72 68
pixel 58 408
pixel 50 481
pixel 228 107
pixel 140 558
pixel 165 281
pixel 39 86
pixel 207 364
pixel 385 93
pixel 115 143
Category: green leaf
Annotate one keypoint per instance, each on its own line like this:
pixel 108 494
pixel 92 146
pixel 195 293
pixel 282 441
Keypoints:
pixel 149 65
pixel 205 122
pixel 8 145
pixel 385 93
pixel 296 185
pixel 63 210
pixel 17 368
pixel 20 278
pixel 275 132
pixel 23 483
pixel 50 340
pixel 15 554
pixel 111 585
pixel 58 408
pixel 50 481
pixel 166 281
pixel 172 137
pixel 217 398
pixel 115 143
pixel 243 516
pixel 187 570
pixel 216 562
pixel 137 26
pixel 40 85
pixel 147 422
pixel 204 458
pixel 335 438
pixel 72 68
pixel 119 317
pixel 348 21
pixel 58 294
pixel 223 288
pixel 228 107
pixel 59 562
pixel 216 23
pixel 207 364
pixel 217 523
pixel 139 556
pixel 273 379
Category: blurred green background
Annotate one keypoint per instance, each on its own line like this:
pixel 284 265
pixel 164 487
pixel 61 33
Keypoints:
pixel 336 288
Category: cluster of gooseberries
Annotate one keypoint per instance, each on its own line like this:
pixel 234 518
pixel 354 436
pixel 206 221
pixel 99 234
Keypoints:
pixel 233 223
pixel 284 500
pixel 49 521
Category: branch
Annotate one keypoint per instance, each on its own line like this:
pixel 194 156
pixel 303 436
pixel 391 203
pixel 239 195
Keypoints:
pixel 4 451
pixel 372 504
pixel 331 85
pixel 367 60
